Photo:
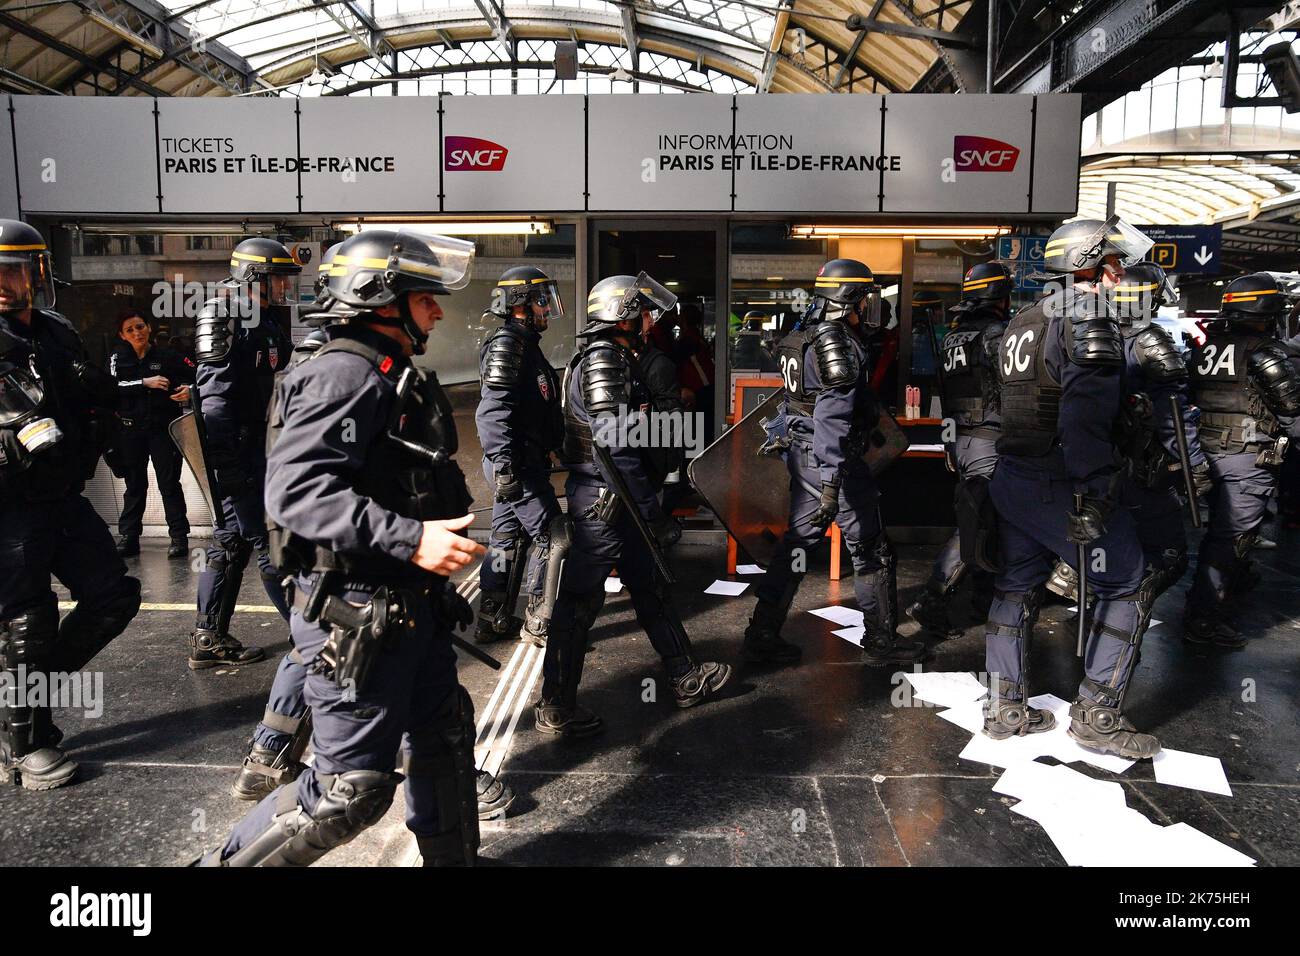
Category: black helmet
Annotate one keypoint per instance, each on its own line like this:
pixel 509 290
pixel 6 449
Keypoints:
pixel 842 285
pixel 379 267
pixel 259 257
pixel 986 282
pixel 526 285
pixel 323 272
pixel 1254 298
pixel 22 246
pixel 1140 294
pixel 1083 244
pixel 619 298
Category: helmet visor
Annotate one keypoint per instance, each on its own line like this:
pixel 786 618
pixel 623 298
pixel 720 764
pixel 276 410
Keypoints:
pixel 424 254
pixel 26 280
pixel 651 293
pixel 1118 238
pixel 869 309
pixel 546 294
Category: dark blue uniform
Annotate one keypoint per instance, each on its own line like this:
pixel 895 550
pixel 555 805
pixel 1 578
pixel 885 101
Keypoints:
pixel 235 390
pixel 1059 408
pixel 520 424
pixel 48 528
pixel 146 413
pixel 348 501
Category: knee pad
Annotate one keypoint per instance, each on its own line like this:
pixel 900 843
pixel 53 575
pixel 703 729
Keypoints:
pixel 443 750
pixel 28 638
pixel 353 801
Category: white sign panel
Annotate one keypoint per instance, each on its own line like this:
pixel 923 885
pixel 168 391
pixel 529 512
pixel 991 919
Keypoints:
pixel 659 152
pixel 798 152
pixel 8 176
pixel 231 155
pixel 86 154
pixel 512 153
pixel 1056 153
pixel 364 154
pixel 959 154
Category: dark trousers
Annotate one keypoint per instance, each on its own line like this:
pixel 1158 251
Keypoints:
pixel 1238 505
pixel 138 447
pixel 515 524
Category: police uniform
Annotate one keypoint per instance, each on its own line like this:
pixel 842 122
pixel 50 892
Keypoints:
pixel 972 401
pixel 607 389
pixel 362 458
pixel 1061 362
pixel 520 423
pixel 145 414
pixel 1249 393
pixel 54 412
pixel 238 357
pixel 829 410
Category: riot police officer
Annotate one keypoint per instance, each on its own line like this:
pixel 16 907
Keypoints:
pixel 830 409
pixel 54 411
pixel 1154 371
pixel 240 343
pixel 520 423
pixel 614 515
pixel 972 402
pixel 365 502
pixel 1248 392
pixel 1061 362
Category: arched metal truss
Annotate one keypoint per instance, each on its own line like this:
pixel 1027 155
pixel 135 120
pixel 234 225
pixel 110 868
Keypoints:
pixel 222 47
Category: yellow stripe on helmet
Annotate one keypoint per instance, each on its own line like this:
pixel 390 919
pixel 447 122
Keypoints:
pixel 980 283
pixel 830 280
pixel 1247 296
pixel 34 247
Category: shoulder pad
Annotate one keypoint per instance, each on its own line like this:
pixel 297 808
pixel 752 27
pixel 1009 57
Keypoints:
pixel 503 358
pixel 1275 376
pixel 214 330
pixel 1158 356
pixel 1094 334
pixel 837 361
pixel 606 379
pixel 61 320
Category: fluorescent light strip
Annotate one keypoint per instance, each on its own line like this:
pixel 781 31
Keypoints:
pixel 812 231
pixel 518 227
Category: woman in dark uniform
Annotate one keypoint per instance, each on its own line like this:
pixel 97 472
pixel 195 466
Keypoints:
pixel 154 383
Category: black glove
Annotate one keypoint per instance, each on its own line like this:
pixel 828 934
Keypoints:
pixel 509 488
pixel 1086 526
pixel 667 530
pixel 829 507
pixel 232 482
pixel 1202 483
pixel 456 611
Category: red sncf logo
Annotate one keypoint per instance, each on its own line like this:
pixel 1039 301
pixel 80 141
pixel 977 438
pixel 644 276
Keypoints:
pixel 471 154
pixel 979 154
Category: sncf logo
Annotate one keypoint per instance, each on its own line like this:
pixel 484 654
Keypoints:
pixel 471 154
pixel 979 154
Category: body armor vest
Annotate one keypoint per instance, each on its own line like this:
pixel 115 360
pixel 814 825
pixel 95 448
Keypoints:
pixel 1221 387
pixel 542 429
pixel 1031 400
pixel 790 357
pixel 971 390
pixel 408 470
pixel 577 433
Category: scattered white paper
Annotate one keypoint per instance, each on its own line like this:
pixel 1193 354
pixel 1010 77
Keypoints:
pixel 948 689
pixel 749 569
pixel 729 588
pixel 969 717
pixel 843 616
pixel 613 585
pixel 1178 768
pixel 1183 845
pixel 925 448
pixel 851 634
pixel 1003 753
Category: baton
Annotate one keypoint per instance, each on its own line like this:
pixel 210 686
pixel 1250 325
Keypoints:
pixel 1082 574
pixel 619 486
pixel 1185 460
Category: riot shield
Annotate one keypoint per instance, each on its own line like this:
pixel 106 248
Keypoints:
pixel 750 493
pixel 187 433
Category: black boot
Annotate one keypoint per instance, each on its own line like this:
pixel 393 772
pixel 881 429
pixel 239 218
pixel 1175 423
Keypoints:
pixel 494 797
pixel 263 770
pixel 1011 718
pixel 210 649
pixel 763 642
pixel 699 683
pixel 128 544
pixel 179 547
pixel 565 720
pixel 29 752
pixel 1210 629
pixel 495 622
pixel 889 650
pixel 1105 730
pixel 930 610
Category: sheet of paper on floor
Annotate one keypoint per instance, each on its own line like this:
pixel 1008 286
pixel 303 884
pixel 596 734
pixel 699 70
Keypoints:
pixel 728 588
pixel 613 585
pixel 843 616
pixel 946 688
pixel 851 634
pixel 1178 768
pixel 748 569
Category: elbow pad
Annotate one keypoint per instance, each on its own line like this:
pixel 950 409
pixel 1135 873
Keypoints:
pixel 1158 357
pixel 605 380
pixel 837 360
pixel 1277 380
pixel 503 361
pixel 214 332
